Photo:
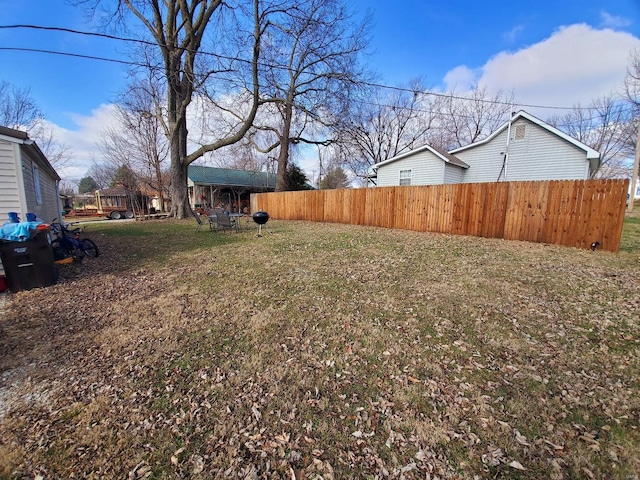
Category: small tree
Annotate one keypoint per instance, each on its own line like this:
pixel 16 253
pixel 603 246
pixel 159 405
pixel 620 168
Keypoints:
pixel 87 185
pixel 296 178
pixel 126 178
pixel 334 179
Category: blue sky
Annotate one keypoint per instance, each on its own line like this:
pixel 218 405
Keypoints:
pixel 547 52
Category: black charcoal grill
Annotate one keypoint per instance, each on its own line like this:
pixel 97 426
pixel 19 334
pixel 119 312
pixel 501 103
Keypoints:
pixel 260 218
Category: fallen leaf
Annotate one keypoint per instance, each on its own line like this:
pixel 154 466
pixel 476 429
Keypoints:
pixel 517 465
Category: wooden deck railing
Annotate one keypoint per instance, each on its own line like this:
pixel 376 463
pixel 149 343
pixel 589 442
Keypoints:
pixel 574 213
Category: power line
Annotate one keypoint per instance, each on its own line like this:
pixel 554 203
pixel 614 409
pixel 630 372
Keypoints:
pixel 76 55
pixel 241 60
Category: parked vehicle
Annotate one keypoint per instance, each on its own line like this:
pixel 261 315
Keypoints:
pixel 68 244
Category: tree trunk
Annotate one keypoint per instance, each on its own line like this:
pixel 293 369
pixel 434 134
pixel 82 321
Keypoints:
pixel 283 155
pixel 180 207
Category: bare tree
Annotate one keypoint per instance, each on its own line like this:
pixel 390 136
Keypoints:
pixel 632 95
pixel 468 118
pixel 18 110
pixel 386 124
pixel 101 173
pixel 605 125
pixel 313 50
pixel 179 28
pixel 59 154
pixel 138 140
pixel 632 82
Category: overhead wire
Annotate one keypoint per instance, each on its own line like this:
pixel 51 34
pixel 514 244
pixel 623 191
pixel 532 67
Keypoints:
pixel 263 64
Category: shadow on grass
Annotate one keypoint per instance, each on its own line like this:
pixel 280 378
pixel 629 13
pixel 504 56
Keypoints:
pixel 156 242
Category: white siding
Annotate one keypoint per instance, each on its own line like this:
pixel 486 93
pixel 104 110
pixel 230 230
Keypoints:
pixel 545 156
pixel 453 173
pixel 426 169
pixel 541 155
pixel 485 161
pixel 9 191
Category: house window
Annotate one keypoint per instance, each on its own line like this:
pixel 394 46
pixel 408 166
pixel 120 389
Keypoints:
pixel 519 132
pixel 36 184
pixel 405 177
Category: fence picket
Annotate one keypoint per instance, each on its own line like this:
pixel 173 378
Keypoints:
pixel 570 212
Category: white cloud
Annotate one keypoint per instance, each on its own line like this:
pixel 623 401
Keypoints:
pixel 512 34
pixel 574 65
pixel 461 78
pixel 612 21
pixel 83 141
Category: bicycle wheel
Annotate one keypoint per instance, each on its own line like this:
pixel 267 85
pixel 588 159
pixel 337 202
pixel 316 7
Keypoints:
pixel 89 247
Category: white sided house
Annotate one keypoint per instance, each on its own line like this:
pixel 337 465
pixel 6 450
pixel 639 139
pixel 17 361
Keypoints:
pixel 28 182
pixel 426 165
pixel 524 149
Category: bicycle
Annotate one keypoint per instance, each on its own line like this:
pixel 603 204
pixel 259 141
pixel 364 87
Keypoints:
pixel 68 244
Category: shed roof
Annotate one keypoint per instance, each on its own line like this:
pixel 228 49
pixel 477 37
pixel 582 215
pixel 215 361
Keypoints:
pixel 229 177
pixel 447 157
pixel 22 138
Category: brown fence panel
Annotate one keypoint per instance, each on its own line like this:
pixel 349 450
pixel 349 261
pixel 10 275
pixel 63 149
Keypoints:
pixel 315 205
pixel 617 197
pixel 573 213
pixel 359 202
pixel 380 207
pixel 333 211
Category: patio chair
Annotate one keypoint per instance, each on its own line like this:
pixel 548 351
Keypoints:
pixel 202 221
pixel 224 221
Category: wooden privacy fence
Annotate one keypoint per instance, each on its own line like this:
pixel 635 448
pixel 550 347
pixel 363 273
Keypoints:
pixel 574 213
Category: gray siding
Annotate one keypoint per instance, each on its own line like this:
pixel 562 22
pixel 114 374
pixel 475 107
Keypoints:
pixel 541 155
pixel 49 208
pixel 9 196
pixel 426 169
pixel 453 173
pixel 485 161
pixel 17 188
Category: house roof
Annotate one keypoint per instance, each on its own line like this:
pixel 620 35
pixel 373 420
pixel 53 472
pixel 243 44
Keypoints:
pixel 18 136
pixel 590 152
pixel 229 177
pixel 447 157
pixel 10 132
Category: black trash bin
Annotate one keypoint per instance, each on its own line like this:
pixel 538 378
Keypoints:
pixel 29 264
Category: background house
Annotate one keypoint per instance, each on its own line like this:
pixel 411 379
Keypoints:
pixel 210 187
pixel 426 165
pixel 28 182
pixel 524 148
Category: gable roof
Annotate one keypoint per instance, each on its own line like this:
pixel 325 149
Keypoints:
pixel 229 177
pixel 590 152
pixel 446 157
pixel 22 138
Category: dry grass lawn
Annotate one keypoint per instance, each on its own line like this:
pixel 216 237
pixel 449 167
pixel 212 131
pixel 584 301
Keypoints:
pixel 324 351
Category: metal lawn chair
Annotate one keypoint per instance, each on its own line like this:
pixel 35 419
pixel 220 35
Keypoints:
pixel 202 221
pixel 225 222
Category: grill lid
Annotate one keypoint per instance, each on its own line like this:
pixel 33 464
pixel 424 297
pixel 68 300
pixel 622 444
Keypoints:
pixel 260 217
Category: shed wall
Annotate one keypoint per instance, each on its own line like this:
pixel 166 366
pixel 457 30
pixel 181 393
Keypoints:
pixel 9 190
pixel 426 169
